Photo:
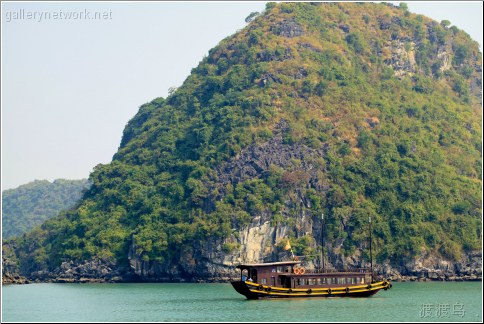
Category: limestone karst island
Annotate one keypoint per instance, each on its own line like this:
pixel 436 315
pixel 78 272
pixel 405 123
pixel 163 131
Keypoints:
pixel 347 110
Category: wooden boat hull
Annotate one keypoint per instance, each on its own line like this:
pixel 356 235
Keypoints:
pixel 255 291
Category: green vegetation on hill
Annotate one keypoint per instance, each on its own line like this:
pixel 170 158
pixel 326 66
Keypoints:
pixel 31 204
pixel 391 97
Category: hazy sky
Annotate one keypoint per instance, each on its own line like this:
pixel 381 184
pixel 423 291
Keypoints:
pixel 70 84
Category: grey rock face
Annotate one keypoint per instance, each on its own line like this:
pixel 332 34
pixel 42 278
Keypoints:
pixel 255 161
pixel 288 28
pixel 94 270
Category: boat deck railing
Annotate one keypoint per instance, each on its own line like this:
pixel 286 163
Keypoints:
pixel 347 270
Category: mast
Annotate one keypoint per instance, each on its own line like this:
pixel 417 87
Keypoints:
pixel 322 240
pixel 371 256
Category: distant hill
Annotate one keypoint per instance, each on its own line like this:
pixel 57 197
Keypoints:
pixel 354 110
pixel 31 204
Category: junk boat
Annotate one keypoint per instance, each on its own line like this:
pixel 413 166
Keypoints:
pixel 289 279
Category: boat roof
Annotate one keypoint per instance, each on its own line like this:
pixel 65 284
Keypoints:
pixel 253 265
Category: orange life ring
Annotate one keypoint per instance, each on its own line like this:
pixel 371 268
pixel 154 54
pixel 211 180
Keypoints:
pixel 296 270
pixel 302 270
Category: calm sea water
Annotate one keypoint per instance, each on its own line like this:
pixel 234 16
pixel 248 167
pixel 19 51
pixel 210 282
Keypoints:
pixel 423 301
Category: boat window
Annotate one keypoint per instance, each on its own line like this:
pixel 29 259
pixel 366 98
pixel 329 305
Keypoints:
pixel 318 281
pixel 348 280
pixel 273 281
pixel 323 280
pixel 263 281
pixel 300 281
pixel 362 280
pixel 273 269
pixel 311 281
pixel 253 275
pixel 288 269
pixel 279 269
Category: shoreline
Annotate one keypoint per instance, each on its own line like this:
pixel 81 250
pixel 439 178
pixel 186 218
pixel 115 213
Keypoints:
pixel 24 281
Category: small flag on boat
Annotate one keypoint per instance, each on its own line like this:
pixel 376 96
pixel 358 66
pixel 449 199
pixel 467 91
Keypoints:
pixel 288 246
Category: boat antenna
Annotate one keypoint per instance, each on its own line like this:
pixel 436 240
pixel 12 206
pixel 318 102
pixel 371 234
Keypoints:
pixel 322 241
pixel 371 256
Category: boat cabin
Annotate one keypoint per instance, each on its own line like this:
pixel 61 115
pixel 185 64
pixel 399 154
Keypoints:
pixel 290 274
